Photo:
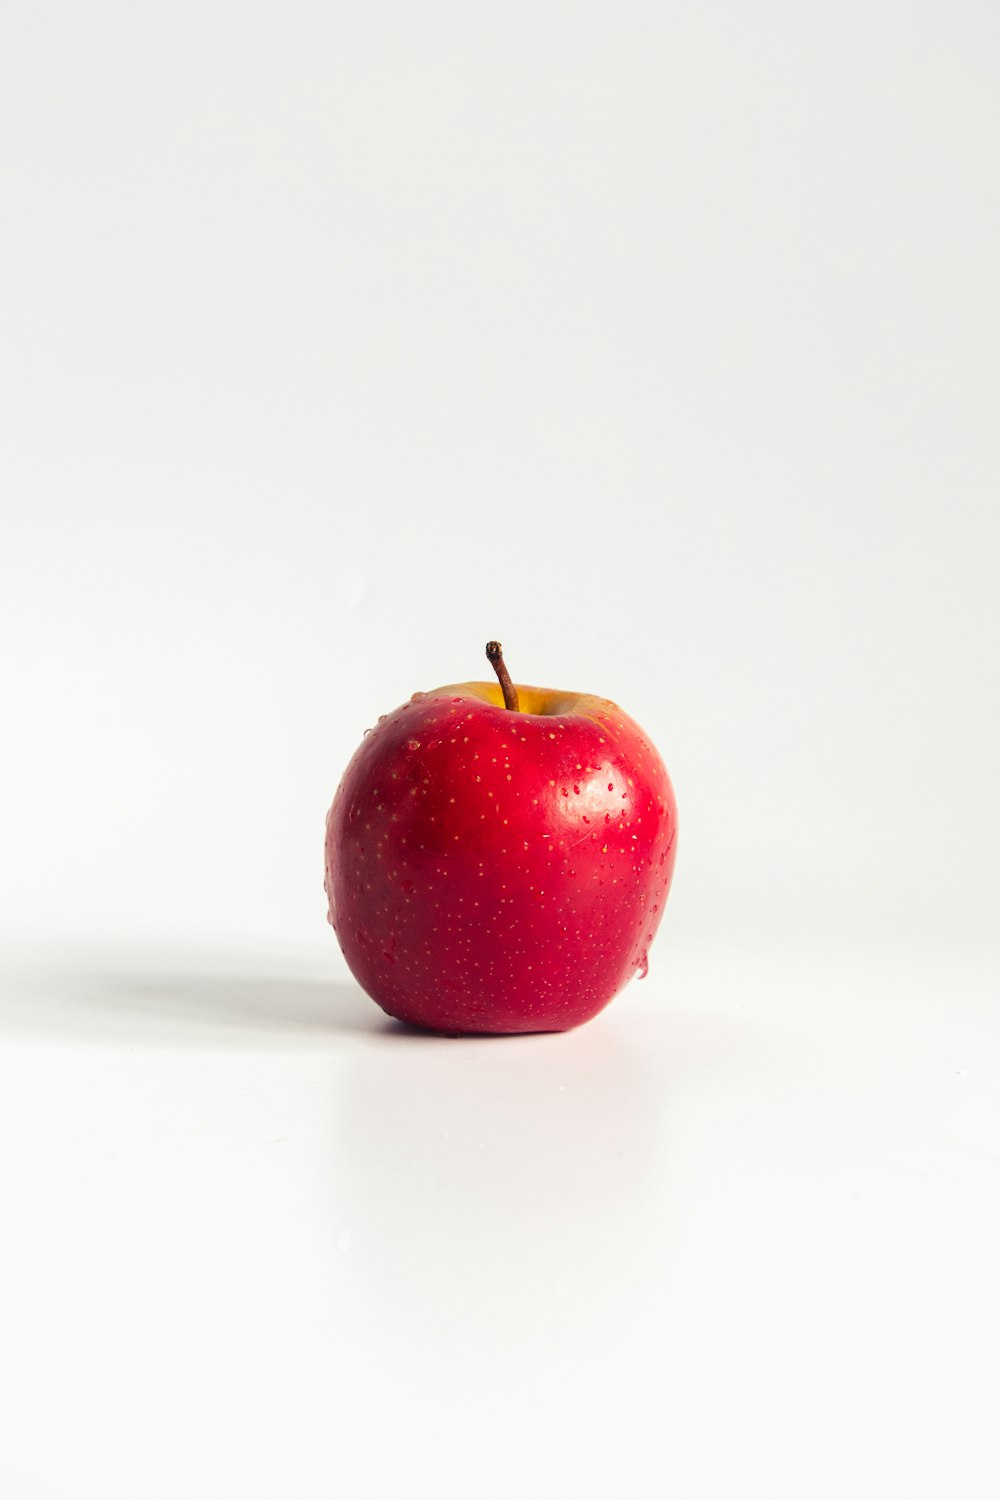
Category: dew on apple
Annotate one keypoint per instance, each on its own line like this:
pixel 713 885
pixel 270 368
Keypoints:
pixel 414 935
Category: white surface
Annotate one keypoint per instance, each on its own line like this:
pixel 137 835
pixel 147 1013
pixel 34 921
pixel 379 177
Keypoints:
pixel 740 1233
pixel 659 341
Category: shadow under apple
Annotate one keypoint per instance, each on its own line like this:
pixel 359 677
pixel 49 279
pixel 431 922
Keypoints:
pixel 131 1003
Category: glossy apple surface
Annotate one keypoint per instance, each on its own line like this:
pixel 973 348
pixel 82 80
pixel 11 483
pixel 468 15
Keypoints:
pixel 499 871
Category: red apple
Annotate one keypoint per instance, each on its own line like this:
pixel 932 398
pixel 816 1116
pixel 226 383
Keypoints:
pixel 495 868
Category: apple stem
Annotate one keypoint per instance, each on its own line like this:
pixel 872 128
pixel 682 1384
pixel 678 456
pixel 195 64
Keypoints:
pixel 494 652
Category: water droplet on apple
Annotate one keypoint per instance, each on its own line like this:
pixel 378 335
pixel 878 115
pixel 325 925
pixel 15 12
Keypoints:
pixel 643 966
pixel 406 886
pixel 413 744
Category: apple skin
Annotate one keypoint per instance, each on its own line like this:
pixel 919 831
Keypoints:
pixel 499 871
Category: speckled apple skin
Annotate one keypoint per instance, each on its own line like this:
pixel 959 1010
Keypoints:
pixel 490 871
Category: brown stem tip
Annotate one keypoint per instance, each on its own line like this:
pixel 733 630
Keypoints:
pixel 494 653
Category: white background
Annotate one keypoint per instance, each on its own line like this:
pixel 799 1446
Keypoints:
pixel 661 342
